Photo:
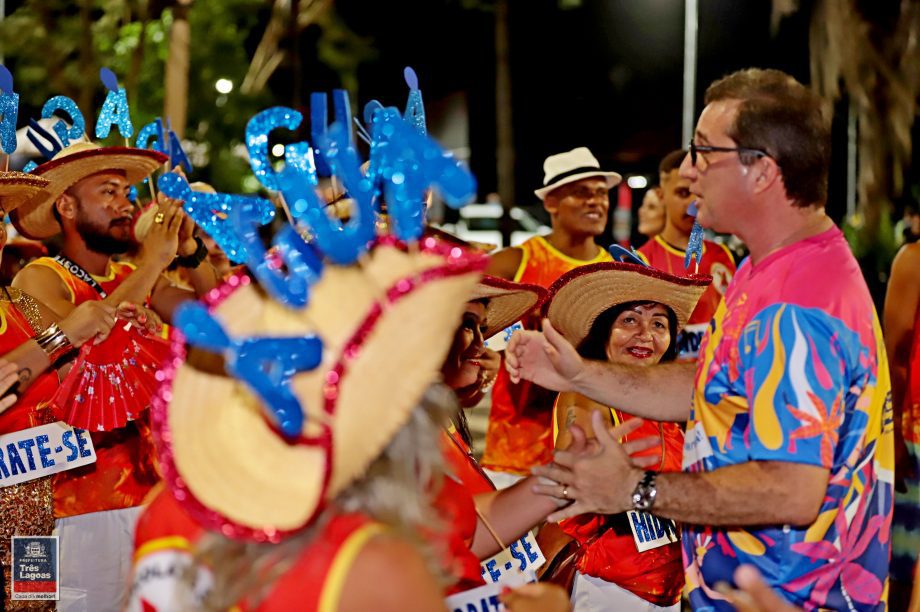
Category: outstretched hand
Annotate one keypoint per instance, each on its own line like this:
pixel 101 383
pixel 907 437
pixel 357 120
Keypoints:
pixel 545 358
pixel 601 477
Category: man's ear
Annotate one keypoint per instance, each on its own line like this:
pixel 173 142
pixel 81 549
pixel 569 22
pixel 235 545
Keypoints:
pixel 658 191
pixel 768 173
pixel 550 204
pixel 66 206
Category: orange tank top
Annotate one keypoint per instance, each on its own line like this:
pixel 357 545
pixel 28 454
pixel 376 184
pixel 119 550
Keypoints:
pixel 166 537
pixel 656 575
pixel 124 471
pixel 717 262
pixel 519 435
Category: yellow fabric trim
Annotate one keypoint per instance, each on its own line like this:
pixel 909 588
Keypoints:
pixel 335 582
pixel 667 247
pixel 2 321
pixel 523 265
pixel 643 257
pixel 113 270
pixel 165 543
pixel 726 249
pixel 602 255
pixel 55 267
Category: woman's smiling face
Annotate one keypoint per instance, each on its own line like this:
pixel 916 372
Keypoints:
pixel 640 335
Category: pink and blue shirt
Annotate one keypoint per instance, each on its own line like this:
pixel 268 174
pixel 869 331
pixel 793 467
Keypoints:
pixel 793 368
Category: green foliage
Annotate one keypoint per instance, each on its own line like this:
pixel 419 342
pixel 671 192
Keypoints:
pixel 57 47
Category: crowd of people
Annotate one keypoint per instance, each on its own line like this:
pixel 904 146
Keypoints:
pixel 659 435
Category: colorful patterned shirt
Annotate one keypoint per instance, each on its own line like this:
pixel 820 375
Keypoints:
pixel 793 368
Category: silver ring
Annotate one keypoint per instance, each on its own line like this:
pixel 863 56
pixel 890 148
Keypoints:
pixel 565 492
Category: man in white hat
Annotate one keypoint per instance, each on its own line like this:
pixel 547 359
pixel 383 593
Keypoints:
pixel 575 194
pixel 87 201
pixel 788 459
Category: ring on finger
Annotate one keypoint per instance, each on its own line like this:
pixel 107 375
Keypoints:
pixel 565 492
pixel 159 218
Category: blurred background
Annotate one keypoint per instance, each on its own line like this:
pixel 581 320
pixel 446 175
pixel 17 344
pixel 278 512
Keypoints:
pixel 505 83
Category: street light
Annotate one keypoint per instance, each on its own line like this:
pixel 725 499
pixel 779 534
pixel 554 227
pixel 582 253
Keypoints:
pixel 637 182
pixel 223 86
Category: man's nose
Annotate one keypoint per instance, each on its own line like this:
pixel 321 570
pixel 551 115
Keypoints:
pixel 687 170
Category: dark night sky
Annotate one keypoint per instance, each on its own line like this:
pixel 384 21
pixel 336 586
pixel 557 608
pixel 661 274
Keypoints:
pixel 607 75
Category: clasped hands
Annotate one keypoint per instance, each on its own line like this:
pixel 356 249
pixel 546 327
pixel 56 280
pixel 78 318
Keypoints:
pixel 597 475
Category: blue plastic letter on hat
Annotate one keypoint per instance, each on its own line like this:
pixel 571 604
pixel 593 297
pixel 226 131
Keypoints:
pixel 265 364
pixel 114 109
pixel 415 107
pixel 257 131
pixel 9 111
pixel 319 123
pixel 408 163
pixel 152 131
pixel 77 123
pixel 341 243
pixel 211 211
pixel 304 265
pixel 177 156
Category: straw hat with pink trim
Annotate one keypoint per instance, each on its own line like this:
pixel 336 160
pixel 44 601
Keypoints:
pixel 17 187
pixel 34 219
pixel 580 296
pixel 507 302
pixel 385 327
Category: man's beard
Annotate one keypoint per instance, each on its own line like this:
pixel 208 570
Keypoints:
pixel 101 241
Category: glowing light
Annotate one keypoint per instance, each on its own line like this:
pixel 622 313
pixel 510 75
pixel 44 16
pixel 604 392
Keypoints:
pixel 637 182
pixel 223 86
pixel 278 150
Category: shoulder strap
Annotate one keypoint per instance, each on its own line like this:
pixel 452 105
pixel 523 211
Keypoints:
pixel 80 273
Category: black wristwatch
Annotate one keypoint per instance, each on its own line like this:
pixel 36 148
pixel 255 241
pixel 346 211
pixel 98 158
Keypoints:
pixel 643 497
pixel 194 260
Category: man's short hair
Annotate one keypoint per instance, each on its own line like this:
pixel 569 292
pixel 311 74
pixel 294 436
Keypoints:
pixel 672 161
pixel 791 123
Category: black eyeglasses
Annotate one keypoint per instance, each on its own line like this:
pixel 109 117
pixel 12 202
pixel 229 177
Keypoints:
pixel 695 149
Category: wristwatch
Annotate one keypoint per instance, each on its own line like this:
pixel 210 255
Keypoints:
pixel 643 497
pixel 194 260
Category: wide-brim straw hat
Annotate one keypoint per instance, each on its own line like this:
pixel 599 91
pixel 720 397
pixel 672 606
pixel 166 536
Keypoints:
pixel 507 303
pixel 386 327
pixel 575 165
pixel 16 188
pixel 581 295
pixel 34 219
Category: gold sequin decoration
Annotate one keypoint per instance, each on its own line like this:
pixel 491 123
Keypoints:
pixel 25 509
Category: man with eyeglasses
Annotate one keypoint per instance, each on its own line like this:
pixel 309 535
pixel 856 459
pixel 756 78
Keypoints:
pixel 575 194
pixel 666 252
pixel 788 458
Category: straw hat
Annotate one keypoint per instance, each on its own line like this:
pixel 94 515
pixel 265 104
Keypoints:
pixel 17 187
pixel 581 295
pixel 508 302
pixel 72 164
pixel 571 166
pixel 220 454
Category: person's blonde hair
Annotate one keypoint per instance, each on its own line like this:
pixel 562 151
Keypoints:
pixel 396 490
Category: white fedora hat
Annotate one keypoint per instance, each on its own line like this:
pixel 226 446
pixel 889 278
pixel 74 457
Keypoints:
pixel 571 166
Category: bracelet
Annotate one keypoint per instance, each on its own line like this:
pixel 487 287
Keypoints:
pixel 194 260
pixel 54 342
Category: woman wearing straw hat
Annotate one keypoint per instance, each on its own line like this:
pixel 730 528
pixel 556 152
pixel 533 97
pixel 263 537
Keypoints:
pixel 625 313
pixel 33 342
pixel 325 518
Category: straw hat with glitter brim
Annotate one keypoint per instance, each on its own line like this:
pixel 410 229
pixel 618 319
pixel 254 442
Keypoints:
pixel 72 164
pixel 581 295
pixel 18 187
pixel 571 166
pixel 507 302
pixel 223 457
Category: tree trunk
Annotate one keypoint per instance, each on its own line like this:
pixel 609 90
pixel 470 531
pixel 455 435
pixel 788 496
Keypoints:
pixel 175 103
